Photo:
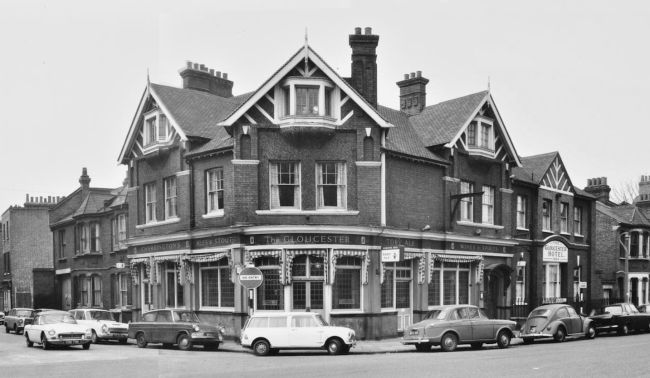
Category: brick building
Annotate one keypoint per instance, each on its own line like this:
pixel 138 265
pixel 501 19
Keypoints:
pixel 89 232
pixel 309 179
pixel 554 229
pixel 621 264
pixel 26 266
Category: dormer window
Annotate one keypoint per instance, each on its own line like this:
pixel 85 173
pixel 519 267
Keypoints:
pixel 157 128
pixel 480 134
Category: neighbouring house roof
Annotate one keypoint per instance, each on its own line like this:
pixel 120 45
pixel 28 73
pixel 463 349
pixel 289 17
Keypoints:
pixel 534 167
pixel 628 214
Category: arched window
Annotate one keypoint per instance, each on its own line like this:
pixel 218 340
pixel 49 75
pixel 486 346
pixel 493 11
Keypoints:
pixel 245 147
pixel 368 149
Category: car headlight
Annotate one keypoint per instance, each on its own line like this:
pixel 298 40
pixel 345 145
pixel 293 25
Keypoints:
pixel 196 328
pixel 51 332
pixel 222 329
pixel 105 328
pixel 20 322
pixel 89 333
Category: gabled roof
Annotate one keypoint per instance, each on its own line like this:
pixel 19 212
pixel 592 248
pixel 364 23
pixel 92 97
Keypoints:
pixel 403 138
pixel 445 122
pixel 302 54
pixel 628 214
pixel 534 167
pixel 192 113
pixel 94 202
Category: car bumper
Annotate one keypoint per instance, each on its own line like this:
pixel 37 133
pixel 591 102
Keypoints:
pixel 419 340
pixel 205 338
pixel 68 341
pixel 113 336
pixel 536 335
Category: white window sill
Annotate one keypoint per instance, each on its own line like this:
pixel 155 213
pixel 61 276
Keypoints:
pixel 565 233
pixel 216 214
pixel 209 308
pixel 158 223
pixel 522 229
pixel 345 312
pixel 483 225
pixel 548 231
pixel 388 309
pixel 579 235
pixel 306 212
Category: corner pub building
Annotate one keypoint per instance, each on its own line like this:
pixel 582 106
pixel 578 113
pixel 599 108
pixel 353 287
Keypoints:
pixel 308 179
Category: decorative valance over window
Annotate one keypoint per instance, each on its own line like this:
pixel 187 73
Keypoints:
pixel 454 259
pixel 422 265
pixel 188 260
pixel 250 256
pixel 290 254
pixel 365 261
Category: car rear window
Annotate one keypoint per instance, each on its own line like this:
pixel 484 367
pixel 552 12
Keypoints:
pixel 614 310
pixel 541 312
pixel 261 322
pixel 27 313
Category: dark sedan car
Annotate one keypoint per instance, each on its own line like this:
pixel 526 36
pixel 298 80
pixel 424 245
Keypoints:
pixel 558 321
pixel 621 317
pixel 449 326
pixel 175 326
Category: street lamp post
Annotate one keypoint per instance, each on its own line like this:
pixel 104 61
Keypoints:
pixel 626 272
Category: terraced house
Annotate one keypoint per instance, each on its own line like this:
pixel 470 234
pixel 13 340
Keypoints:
pixel 309 179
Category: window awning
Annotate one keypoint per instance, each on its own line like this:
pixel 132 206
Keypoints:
pixel 361 253
pixel 208 257
pixel 457 259
pixel 290 254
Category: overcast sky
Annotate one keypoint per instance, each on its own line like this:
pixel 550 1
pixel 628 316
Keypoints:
pixel 566 76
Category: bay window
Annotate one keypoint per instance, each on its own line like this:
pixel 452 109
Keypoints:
pixel 156 128
pixel 331 183
pixel 480 134
pixel 285 185
pixel 94 237
pixel 305 97
pixel 306 100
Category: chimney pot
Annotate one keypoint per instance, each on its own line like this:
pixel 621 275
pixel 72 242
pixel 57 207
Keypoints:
pixel 188 64
pixel 27 197
pixel 218 74
pixel 211 72
pixel 224 76
pixel 588 182
pixel 357 31
pixel 418 73
pixel 368 30
pixel 196 66
pixel 406 76
pixel 412 75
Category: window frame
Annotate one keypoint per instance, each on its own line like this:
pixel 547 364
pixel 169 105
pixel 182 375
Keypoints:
pixel 522 212
pixel 457 268
pixel 394 268
pixel 341 187
pixel 488 204
pixel 170 191
pixel 175 272
pixel 150 203
pixel 220 268
pixel 274 167
pixel 547 283
pixel 466 213
pixel 217 192
pixel 359 270
pixel 564 217
pixel 547 219
pixel 577 220
pixel 94 234
pixel 61 244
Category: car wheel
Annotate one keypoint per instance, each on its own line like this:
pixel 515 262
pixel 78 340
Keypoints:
pixel 591 332
pixel 623 330
pixel 29 343
pixel 44 342
pixel 184 342
pixel 6 328
pixel 423 347
pixel 503 339
pixel 123 341
pixel 529 340
pixel 86 346
pixel 560 335
pixel 261 348
pixel 93 338
pixel 477 345
pixel 140 340
pixel 334 346
pixel 449 342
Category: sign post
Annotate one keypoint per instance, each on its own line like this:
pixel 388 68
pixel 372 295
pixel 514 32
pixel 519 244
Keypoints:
pixel 251 278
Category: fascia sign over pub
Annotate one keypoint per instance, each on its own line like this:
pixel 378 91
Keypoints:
pixel 308 179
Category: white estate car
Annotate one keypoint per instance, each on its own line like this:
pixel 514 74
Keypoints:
pixel 102 324
pixel 269 332
pixel 56 328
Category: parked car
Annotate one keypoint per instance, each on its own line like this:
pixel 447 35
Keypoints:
pixel 102 323
pixel 620 317
pixel 2 318
pixel 267 333
pixel 56 328
pixel 558 321
pixel 645 308
pixel 450 326
pixel 175 326
pixel 17 318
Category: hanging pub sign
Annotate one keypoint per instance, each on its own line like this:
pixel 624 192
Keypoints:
pixel 392 254
pixel 555 251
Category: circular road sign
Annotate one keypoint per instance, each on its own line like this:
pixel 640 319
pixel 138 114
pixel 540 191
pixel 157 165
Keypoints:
pixel 251 278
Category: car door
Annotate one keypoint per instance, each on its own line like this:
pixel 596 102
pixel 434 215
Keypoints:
pixel 148 324
pixel 482 327
pixel 163 332
pixel 459 321
pixel 277 331
pixel 575 320
pixel 33 333
pixel 304 332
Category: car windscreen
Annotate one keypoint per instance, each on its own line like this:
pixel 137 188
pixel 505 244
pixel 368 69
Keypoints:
pixel 101 315
pixel 614 310
pixel 185 316
pixel 320 320
pixel 57 318
pixel 27 313
pixel 540 312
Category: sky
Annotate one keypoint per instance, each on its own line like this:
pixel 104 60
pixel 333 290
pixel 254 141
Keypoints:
pixel 566 76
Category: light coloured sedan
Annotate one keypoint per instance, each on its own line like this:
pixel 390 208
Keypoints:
pixel 56 328
pixel 102 323
pixel 450 326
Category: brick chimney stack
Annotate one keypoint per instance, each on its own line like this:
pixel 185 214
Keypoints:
pixel 201 78
pixel 364 64
pixel 84 181
pixel 598 187
pixel 412 93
